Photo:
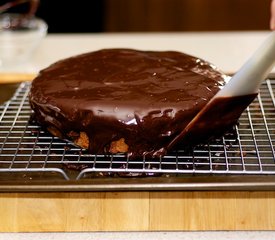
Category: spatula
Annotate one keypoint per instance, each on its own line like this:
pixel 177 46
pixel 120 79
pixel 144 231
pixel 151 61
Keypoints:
pixel 224 109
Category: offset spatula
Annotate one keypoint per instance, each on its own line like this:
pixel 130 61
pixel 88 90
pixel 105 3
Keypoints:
pixel 224 109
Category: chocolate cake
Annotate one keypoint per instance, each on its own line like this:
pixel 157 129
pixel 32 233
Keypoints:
pixel 123 100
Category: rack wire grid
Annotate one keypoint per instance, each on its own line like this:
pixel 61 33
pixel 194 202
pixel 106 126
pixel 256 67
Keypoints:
pixel 25 148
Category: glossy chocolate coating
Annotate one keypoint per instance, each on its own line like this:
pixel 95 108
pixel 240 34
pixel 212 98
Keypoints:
pixel 145 97
pixel 219 115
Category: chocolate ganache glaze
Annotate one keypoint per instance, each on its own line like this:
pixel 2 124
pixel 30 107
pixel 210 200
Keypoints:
pixel 123 100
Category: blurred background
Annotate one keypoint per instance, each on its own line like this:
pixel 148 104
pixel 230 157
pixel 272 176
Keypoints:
pixel 83 16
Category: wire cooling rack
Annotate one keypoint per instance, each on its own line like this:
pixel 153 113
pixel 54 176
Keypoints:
pixel 29 151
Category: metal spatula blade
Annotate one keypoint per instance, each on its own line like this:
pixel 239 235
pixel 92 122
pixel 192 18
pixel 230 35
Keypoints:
pixel 224 109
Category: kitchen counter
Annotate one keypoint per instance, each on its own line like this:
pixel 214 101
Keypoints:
pixel 227 50
pixel 144 210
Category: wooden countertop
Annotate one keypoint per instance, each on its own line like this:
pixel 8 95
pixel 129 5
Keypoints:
pixel 137 211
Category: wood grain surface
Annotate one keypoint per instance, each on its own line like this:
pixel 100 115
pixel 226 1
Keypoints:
pixel 137 211
pixel 187 15
pixel 7 78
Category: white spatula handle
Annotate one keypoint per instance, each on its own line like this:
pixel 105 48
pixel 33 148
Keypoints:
pixel 248 79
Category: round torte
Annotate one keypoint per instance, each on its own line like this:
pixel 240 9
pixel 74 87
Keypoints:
pixel 123 100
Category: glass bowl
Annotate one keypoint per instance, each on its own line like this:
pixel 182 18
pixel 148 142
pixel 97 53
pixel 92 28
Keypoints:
pixel 19 37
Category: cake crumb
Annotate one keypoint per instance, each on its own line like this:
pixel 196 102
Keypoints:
pixel 119 146
pixel 82 140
